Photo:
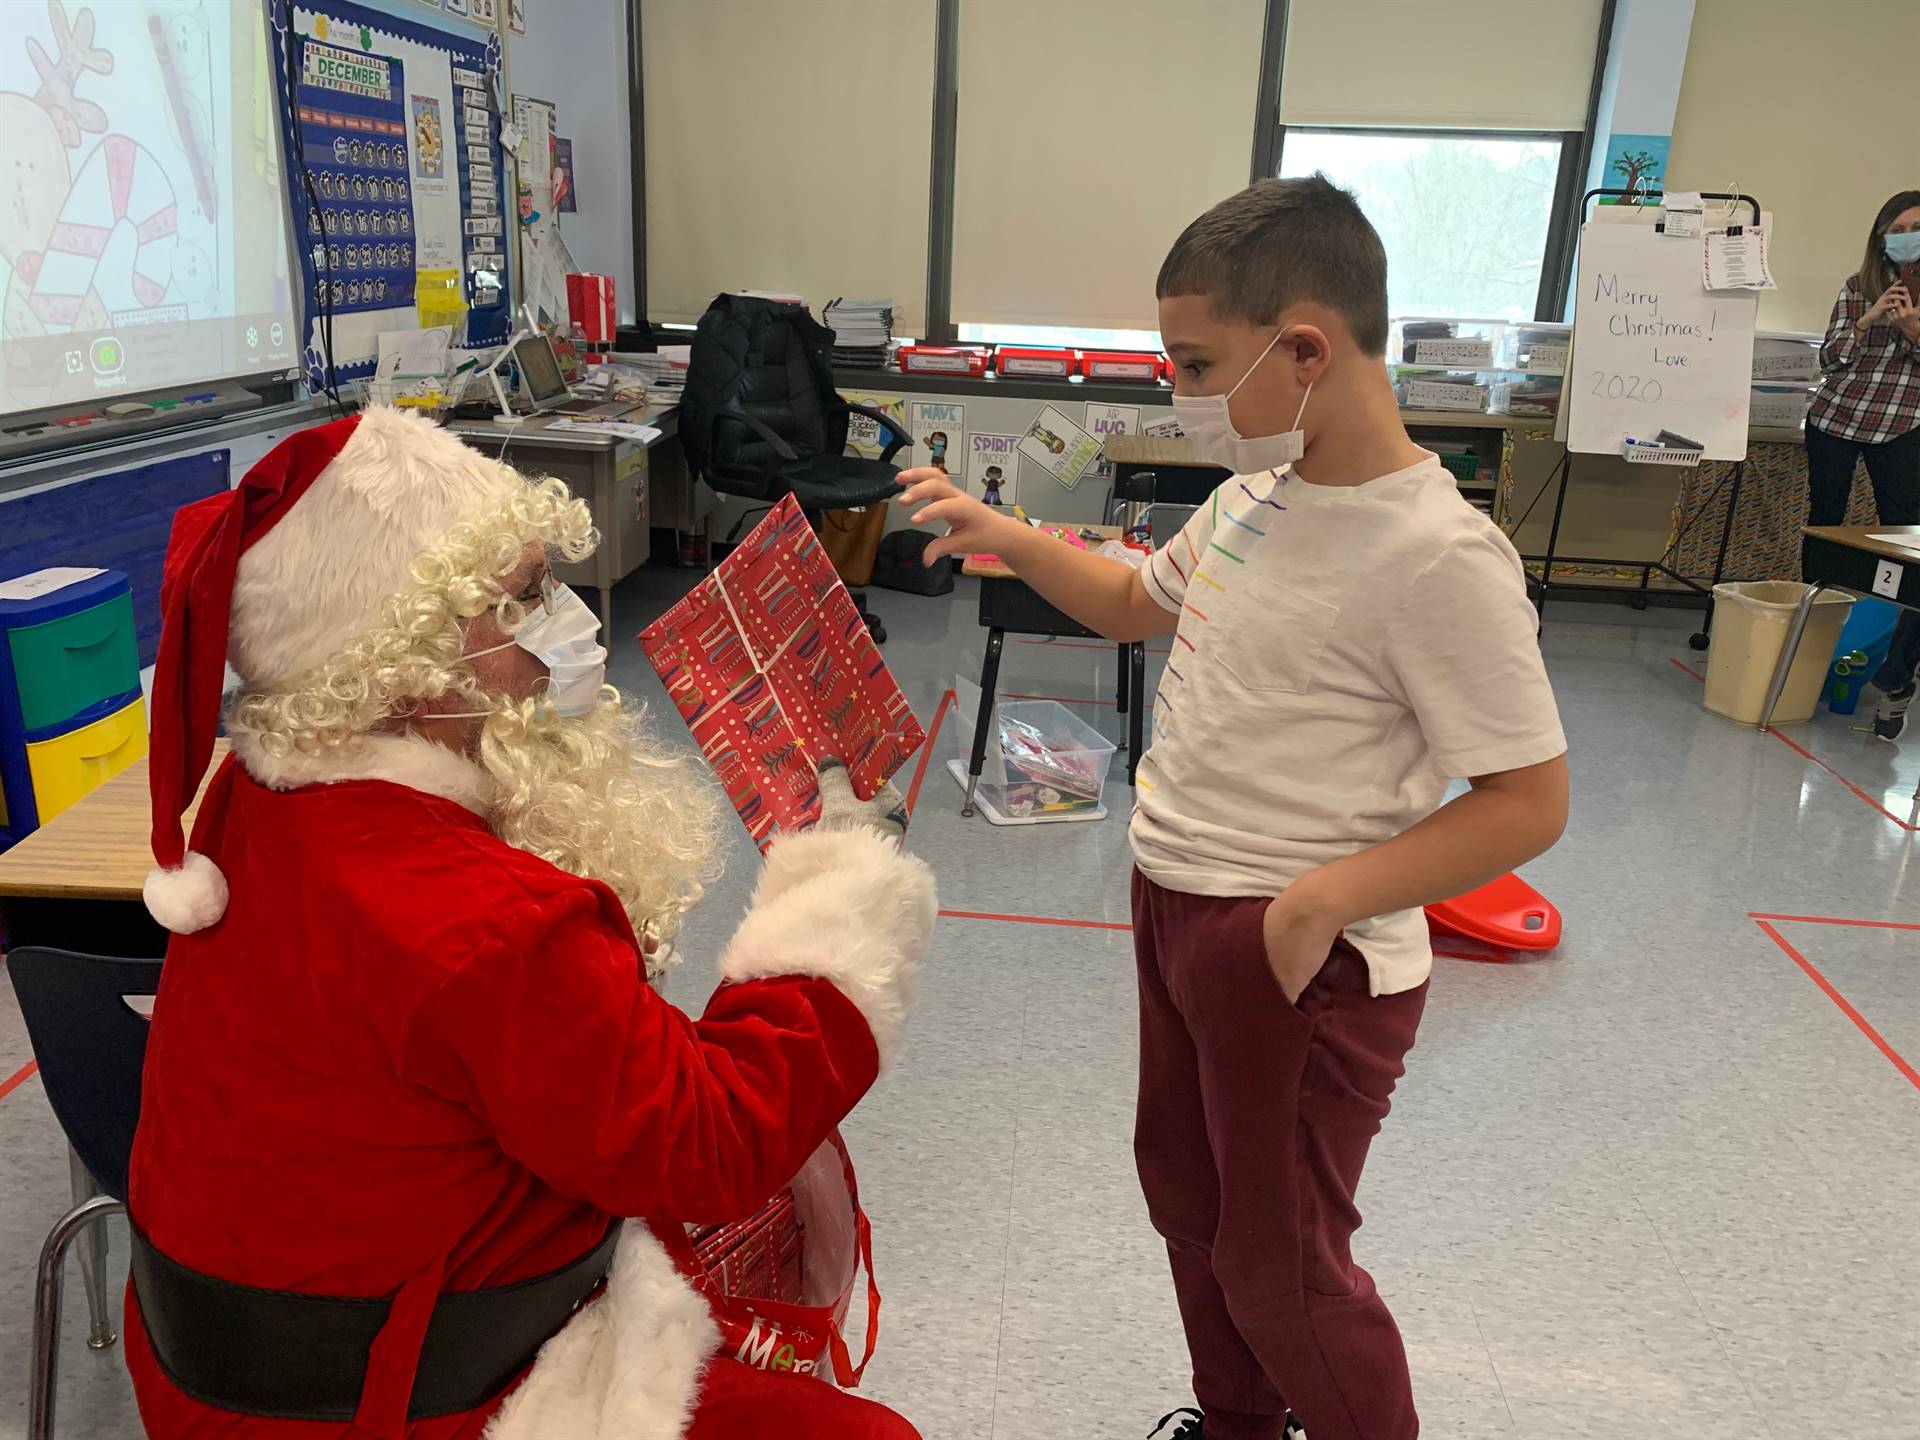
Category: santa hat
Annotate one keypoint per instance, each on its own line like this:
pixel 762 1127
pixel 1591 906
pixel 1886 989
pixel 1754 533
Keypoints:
pixel 276 576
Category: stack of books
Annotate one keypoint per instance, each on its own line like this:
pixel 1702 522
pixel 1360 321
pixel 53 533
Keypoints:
pixel 862 332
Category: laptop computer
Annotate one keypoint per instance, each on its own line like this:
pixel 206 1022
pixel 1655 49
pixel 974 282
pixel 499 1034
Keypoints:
pixel 545 389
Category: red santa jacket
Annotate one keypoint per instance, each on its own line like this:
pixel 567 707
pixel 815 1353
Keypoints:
pixel 412 1059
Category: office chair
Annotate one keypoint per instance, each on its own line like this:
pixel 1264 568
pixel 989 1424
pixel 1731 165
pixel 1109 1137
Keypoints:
pixel 760 417
pixel 91 1046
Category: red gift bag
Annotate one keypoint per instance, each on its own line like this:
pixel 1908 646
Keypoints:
pixel 780 1283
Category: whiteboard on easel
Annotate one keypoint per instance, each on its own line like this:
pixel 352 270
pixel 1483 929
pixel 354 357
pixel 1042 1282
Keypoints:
pixel 1653 348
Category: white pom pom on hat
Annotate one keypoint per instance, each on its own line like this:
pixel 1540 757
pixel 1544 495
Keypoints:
pixel 188 898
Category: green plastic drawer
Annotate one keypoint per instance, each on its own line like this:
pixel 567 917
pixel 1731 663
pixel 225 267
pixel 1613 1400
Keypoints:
pixel 65 665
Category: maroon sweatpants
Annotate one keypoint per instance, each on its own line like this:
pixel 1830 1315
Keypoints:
pixel 1254 1122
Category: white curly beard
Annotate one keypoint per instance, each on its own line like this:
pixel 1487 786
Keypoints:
pixel 600 797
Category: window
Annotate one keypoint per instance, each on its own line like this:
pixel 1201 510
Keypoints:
pixel 786 150
pixel 1087 135
pixel 1463 215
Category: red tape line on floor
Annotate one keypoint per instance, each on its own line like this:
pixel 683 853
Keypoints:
pixel 1827 988
pixel 19 1077
pixel 926 750
pixel 1807 754
pixel 1829 920
pixel 1035 920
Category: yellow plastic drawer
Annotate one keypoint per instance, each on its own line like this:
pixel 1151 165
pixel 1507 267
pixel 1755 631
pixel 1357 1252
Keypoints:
pixel 68 766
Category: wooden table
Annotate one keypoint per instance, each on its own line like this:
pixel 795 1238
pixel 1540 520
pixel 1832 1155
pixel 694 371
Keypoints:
pixel 75 882
pixel 1009 604
pixel 1846 557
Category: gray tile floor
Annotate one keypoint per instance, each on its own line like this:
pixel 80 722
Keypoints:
pixel 1658 1184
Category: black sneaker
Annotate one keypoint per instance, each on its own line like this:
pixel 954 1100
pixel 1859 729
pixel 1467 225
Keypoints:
pixel 1192 1426
pixel 1890 715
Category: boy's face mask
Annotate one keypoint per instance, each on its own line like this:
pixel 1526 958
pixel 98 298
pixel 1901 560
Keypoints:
pixel 1207 421
pixel 1902 249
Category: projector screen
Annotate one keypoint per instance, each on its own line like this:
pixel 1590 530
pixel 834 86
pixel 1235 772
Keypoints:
pixel 143 240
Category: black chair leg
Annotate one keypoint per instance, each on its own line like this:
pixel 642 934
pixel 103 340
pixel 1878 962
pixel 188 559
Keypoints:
pixel 875 626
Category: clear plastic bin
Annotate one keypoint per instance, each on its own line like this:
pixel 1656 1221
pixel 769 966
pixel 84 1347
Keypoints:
pixel 1750 624
pixel 1009 795
pixel 1422 389
pixel 1783 407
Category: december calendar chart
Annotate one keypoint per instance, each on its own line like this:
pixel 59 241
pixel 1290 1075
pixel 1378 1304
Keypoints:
pixel 353 129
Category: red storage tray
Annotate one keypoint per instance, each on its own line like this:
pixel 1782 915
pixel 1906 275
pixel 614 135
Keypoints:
pixel 943 360
pixel 1121 365
pixel 1047 361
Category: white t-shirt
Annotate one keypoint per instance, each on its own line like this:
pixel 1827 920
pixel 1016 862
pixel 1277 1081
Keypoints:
pixel 1342 651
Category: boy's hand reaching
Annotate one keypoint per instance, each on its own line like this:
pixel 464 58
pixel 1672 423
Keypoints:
pixel 971 525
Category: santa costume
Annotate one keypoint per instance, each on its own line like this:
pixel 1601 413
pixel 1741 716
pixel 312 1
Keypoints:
pixel 407 1076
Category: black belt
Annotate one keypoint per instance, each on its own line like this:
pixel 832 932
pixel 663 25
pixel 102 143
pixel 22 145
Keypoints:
pixel 284 1356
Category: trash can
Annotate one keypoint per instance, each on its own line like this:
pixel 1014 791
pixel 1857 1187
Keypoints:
pixel 1750 624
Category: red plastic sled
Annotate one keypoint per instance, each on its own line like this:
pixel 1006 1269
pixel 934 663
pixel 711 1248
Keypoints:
pixel 1509 913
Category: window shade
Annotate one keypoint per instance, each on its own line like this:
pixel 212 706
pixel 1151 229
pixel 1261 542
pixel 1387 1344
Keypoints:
pixel 1468 64
pixel 788 147
pixel 1089 135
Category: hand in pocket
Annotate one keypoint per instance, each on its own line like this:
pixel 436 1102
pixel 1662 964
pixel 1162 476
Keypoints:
pixel 1298 939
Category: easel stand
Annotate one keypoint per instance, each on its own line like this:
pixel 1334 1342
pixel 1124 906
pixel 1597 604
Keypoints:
pixel 1563 473
pixel 1561 476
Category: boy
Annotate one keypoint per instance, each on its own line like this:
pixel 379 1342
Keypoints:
pixel 1348 633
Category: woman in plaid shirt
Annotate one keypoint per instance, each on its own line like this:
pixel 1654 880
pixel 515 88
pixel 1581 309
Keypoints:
pixel 1868 406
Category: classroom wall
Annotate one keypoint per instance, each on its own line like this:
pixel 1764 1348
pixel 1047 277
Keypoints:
pixel 1810 108
pixel 575 54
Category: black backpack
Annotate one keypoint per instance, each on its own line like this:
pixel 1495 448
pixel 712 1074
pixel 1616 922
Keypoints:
pixel 898 565
pixel 760 415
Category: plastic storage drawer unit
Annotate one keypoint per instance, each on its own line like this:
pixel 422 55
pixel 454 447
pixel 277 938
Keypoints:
pixel 69 690
pixel 66 768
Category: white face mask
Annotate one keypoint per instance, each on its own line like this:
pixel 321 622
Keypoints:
pixel 563 636
pixel 1208 423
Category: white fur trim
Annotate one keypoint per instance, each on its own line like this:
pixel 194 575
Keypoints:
pixel 627 1367
pixel 404 759
pixel 188 899
pixel 316 580
pixel 847 906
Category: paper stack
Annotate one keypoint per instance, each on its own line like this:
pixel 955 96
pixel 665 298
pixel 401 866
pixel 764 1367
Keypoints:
pixel 862 332
pixel 665 370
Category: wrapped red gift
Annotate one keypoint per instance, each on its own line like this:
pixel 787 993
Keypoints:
pixel 1037 360
pixel 590 305
pixel 1120 365
pixel 772 668
pixel 943 359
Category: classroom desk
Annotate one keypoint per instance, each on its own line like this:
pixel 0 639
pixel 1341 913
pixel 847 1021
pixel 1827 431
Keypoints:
pixel 75 882
pixel 1008 605
pixel 1160 469
pixel 1845 557
pixel 630 486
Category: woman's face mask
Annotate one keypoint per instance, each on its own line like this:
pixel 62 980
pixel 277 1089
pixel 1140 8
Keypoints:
pixel 1903 248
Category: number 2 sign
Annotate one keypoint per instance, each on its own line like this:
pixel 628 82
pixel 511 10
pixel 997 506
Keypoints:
pixel 1886 579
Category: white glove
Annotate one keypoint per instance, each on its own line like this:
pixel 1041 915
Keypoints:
pixel 840 809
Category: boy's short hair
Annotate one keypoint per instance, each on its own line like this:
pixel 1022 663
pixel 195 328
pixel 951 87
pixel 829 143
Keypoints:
pixel 1279 242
